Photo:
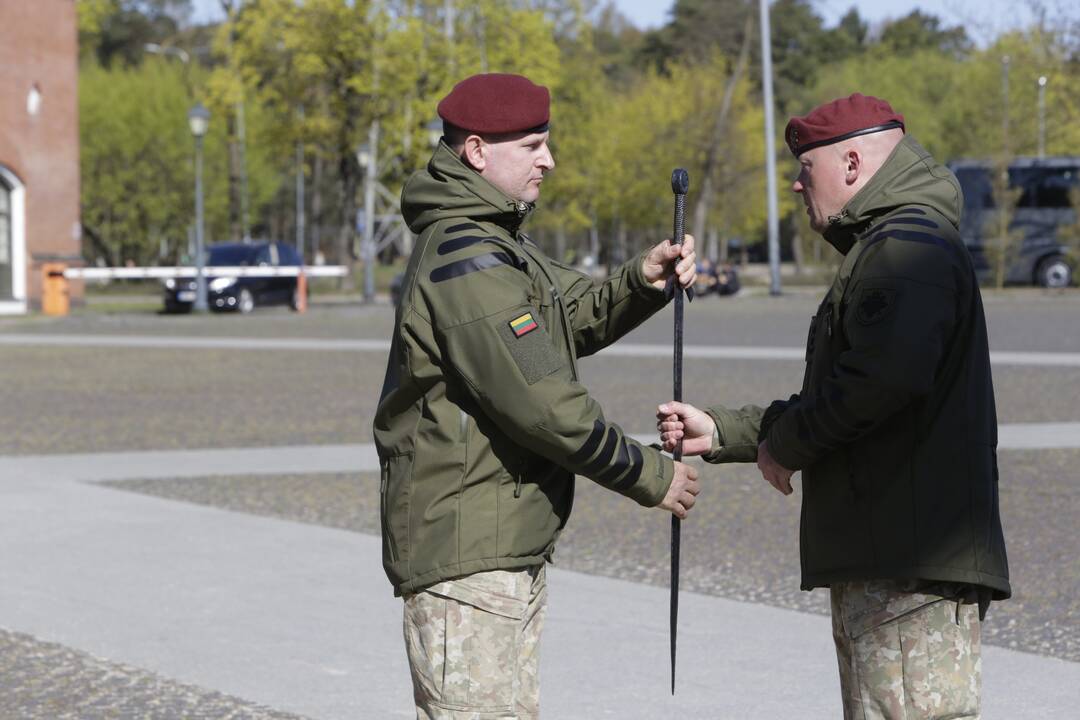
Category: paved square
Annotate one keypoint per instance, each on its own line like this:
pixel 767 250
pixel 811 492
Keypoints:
pixel 188 508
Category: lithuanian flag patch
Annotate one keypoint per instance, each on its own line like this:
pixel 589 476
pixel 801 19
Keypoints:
pixel 523 325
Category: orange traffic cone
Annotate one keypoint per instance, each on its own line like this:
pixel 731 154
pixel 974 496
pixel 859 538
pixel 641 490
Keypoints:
pixel 301 292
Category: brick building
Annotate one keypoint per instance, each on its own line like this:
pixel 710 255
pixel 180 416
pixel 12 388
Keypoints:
pixel 39 147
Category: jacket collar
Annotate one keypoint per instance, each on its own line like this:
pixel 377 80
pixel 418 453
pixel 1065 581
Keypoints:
pixel 448 187
pixel 909 176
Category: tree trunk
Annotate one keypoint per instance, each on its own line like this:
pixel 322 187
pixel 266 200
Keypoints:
pixel 594 245
pixel 316 207
pixel 100 245
pixel 711 245
pixel 620 240
pixel 347 229
pixel 712 152
pixel 235 233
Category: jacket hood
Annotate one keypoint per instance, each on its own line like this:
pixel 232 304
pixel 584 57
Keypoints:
pixel 910 176
pixel 448 188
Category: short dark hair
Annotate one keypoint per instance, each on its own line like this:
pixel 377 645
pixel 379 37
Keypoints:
pixel 453 135
pixel 456 136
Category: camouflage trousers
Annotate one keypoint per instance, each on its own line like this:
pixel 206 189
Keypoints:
pixel 905 654
pixel 474 646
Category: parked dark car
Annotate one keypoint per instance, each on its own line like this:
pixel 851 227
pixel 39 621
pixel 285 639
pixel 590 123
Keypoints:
pixel 1043 208
pixel 240 294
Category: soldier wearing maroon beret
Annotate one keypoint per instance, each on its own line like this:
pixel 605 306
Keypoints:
pixel 894 429
pixel 482 423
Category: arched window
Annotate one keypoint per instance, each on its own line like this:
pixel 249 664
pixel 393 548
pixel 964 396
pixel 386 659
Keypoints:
pixel 5 242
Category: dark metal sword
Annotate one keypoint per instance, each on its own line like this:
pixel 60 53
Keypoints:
pixel 680 185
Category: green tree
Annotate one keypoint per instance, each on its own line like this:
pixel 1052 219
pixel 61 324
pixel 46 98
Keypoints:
pixel 118 30
pixel 1001 241
pixel 920 31
pixel 848 38
pixel 697 28
pixel 981 123
pixel 137 164
pixel 921 85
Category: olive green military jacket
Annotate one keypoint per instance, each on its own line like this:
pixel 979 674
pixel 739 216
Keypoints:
pixel 482 422
pixel 895 428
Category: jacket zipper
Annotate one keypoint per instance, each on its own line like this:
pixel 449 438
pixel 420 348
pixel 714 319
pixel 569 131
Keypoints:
pixel 383 486
pixel 557 299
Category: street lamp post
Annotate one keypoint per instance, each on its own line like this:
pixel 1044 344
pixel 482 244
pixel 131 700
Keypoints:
pixel 1005 61
pixel 770 151
pixel 367 157
pixel 300 191
pixel 1042 116
pixel 198 121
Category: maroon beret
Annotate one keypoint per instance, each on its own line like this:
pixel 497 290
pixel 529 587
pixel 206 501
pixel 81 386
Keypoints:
pixel 497 103
pixel 839 120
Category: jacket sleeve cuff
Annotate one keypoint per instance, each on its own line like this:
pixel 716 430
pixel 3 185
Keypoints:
pixel 653 485
pixel 637 282
pixel 737 431
pixel 783 450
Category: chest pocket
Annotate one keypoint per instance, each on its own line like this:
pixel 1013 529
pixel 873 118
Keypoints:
pixel 818 345
pixel 546 299
pixel 821 329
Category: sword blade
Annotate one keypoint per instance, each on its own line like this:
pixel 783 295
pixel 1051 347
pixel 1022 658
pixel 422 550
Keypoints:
pixel 680 184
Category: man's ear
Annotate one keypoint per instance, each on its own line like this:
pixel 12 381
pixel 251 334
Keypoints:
pixel 852 166
pixel 474 151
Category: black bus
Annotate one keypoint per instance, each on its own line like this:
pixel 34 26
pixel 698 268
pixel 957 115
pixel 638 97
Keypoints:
pixel 1044 206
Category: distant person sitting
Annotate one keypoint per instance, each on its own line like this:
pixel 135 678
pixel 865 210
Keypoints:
pixel 727 280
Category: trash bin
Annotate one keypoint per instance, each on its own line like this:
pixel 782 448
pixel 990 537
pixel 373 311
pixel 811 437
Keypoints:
pixel 54 294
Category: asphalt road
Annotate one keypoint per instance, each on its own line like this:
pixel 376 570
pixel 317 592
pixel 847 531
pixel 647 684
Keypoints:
pixel 740 543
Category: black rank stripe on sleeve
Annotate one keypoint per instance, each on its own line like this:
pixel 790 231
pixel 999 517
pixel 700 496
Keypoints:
pixel 606 466
pixel 620 463
pixel 629 457
pixel 591 443
pixel 903 220
pixel 469 265
pixel 603 458
pixel 461 227
pixel 637 464
pixel 458 243
pixel 912 236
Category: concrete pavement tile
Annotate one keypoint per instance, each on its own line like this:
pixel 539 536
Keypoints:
pixel 47 681
pixel 740 542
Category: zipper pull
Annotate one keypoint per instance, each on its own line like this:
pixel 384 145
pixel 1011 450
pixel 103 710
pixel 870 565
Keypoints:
pixel 517 486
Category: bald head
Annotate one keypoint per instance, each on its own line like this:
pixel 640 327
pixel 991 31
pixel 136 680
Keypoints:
pixel 830 175
pixel 864 155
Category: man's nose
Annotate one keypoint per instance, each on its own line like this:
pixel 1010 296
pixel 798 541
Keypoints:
pixel 547 160
pixel 797 186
